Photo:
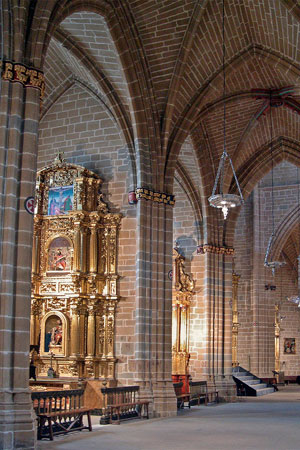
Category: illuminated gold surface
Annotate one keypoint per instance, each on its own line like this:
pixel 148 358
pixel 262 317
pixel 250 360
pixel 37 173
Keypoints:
pixel 84 297
pixel 235 323
pixel 183 290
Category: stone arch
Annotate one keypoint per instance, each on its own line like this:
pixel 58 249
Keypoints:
pixel 284 149
pixel 130 49
pixel 195 108
pixel 283 231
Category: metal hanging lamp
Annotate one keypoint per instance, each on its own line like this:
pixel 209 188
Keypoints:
pixel 272 264
pixel 221 200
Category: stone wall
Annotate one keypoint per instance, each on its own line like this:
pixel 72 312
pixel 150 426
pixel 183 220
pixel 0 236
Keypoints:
pixel 79 126
pixel 256 300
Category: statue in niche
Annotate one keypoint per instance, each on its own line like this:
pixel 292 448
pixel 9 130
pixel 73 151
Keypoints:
pixel 56 334
pixel 186 280
pixel 53 333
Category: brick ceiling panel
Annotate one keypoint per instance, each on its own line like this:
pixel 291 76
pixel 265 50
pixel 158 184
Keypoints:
pixel 56 73
pixel 63 68
pixel 162 25
pixel 253 73
pixel 188 160
pixel 264 24
pixel 238 114
pixel 91 31
pixel 286 123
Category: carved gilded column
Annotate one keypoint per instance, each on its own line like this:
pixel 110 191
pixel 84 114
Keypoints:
pixel 98 327
pixel 83 250
pixel 74 332
pixel 82 343
pixel 91 332
pixel 76 254
pixel 93 248
pixel 36 247
pixel 34 322
pixel 235 323
pixel 277 338
pixel 110 326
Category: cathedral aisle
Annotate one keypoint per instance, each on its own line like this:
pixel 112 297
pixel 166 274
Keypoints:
pixel 262 423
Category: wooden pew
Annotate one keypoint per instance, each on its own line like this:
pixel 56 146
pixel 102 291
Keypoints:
pixel 182 398
pixel 122 403
pixel 60 412
pixel 199 391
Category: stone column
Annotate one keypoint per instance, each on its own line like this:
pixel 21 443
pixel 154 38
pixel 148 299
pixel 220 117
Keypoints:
pixel 153 348
pixel 217 294
pixel 19 116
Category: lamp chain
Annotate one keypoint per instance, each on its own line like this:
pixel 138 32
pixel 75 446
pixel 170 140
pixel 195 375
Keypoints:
pixel 224 77
pixel 272 165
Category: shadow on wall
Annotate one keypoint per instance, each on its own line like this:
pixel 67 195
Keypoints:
pixel 111 168
pixel 186 246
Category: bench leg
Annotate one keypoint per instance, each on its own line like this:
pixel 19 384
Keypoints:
pixel 147 410
pixel 89 420
pixel 50 429
pixel 41 422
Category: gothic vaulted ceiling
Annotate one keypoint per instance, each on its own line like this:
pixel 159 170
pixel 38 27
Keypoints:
pixel 159 63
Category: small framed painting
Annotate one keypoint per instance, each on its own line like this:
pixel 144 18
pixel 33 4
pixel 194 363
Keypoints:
pixel 60 200
pixel 289 346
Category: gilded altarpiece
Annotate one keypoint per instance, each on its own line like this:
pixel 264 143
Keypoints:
pixel 183 291
pixel 74 274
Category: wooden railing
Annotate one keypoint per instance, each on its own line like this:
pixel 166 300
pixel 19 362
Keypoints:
pixel 51 401
pixel 121 403
pixel 60 412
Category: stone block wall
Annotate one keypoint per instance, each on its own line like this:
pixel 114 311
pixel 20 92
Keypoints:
pixel 79 126
pixel 186 234
pixel 256 300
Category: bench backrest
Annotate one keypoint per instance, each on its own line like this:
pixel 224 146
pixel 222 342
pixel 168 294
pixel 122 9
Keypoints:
pixel 120 394
pixel 51 401
pixel 178 388
pixel 198 387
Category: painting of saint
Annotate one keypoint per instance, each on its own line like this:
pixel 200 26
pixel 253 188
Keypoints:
pixel 60 200
pixel 59 255
pixel 289 346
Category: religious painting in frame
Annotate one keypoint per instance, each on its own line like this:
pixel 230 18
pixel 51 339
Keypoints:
pixel 59 255
pixel 289 346
pixel 60 200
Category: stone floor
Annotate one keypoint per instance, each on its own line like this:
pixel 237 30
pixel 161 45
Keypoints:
pixel 271 422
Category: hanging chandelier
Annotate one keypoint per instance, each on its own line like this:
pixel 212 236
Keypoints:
pixel 272 264
pixel 221 200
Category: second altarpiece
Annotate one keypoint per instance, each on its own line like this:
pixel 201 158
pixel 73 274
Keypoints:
pixel 74 274
pixel 182 294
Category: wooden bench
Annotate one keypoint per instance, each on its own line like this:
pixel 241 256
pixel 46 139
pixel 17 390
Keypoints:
pixel 122 403
pixel 182 398
pixel 199 391
pixel 291 379
pixel 60 412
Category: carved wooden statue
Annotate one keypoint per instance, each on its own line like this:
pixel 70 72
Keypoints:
pixel 74 273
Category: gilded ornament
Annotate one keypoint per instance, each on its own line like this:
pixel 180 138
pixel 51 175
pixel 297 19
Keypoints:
pixel 75 264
